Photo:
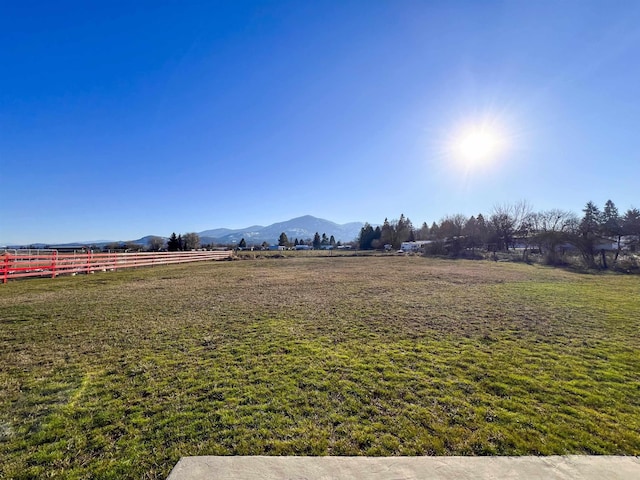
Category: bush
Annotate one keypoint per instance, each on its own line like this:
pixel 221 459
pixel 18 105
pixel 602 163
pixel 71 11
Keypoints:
pixel 628 264
pixel 435 248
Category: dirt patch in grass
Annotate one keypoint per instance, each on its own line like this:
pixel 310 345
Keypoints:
pixel 117 375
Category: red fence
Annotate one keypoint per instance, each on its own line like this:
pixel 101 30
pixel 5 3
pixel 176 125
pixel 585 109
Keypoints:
pixel 52 264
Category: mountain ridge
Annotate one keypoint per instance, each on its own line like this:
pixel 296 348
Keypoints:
pixel 302 228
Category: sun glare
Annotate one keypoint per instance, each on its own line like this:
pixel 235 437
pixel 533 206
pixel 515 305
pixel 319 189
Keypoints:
pixel 478 145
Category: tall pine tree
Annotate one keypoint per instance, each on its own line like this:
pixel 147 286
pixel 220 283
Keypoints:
pixel 173 245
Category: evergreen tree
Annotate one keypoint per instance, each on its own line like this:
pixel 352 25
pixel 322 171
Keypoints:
pixel 611 221
pixel 611 225
pixel 387 233
pixel 242 244
pixel 404 231
pixel 180 243
pixel 332 241
pixel 316 240
pixel 631 222
pixel 366 237
pixel 325 240
pixel 481 225
pixel 434 231
pixel 283 241
pixel 375 242
pixel 471 234
pixel 631 227
pixel 588 232
pixel 590 223
pixel 173 245
pixel 423 233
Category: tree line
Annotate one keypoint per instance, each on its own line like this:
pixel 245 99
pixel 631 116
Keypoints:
pixel 509 226
pixel 318 241
pixel 191 241
pixel 177 243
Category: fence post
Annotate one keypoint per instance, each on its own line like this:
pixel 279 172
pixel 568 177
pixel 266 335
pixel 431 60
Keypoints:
pixel 6 268
pixel 88 261
pixel 53 264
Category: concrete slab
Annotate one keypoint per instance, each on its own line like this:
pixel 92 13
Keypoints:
pixel 570 467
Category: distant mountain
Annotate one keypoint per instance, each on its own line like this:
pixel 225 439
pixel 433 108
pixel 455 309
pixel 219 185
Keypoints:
pixel 147 239
pixel 221 232
pixel 301 228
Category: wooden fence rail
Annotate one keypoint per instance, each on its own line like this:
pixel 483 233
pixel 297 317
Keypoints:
pixel 52 264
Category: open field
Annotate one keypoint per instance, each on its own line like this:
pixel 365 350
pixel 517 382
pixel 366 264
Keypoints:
pixel 117 375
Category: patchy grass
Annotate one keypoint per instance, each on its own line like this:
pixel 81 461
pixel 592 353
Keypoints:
pixel 117 375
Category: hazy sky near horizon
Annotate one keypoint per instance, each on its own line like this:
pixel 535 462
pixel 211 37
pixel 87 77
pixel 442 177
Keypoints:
pixel 122 119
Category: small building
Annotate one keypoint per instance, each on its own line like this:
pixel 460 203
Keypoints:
pixel 414 246
pixel 71 248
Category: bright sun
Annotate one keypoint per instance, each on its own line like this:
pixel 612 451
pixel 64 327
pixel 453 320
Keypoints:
pixel 478 145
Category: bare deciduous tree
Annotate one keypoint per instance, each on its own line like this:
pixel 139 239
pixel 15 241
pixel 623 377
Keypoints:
pixel 553 228
pixel 156 243
pixel 511 221
pixel 190 241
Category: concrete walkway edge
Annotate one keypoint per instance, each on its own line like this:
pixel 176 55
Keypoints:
pixel 569 467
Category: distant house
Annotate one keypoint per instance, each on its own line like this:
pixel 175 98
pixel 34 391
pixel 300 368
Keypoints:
pixel 277 247
pixel 70 248
pixel 414 246
pixel 630 243
pixel 606 245
pixel 303 247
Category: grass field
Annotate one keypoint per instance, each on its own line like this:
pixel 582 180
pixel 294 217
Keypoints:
pixel 117 375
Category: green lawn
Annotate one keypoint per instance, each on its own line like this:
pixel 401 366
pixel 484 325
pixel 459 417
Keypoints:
pixel 117 375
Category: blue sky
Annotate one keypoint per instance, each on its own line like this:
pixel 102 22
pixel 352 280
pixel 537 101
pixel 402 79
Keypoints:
pixel 122 119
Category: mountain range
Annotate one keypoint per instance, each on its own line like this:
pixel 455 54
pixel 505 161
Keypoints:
pixel 302 228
